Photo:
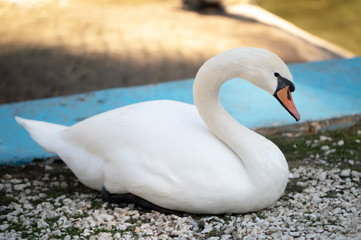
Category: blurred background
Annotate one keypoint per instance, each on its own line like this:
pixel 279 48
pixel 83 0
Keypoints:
pixel 61 47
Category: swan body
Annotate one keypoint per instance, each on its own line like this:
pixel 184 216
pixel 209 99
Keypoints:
pixel 179 156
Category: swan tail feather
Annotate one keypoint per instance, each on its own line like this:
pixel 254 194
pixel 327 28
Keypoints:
pixel 47 135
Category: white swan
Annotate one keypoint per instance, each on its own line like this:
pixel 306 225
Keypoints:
pixel 163 152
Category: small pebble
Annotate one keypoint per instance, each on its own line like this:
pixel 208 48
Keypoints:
pixel 324 138
pixel 48 168
pixel 340 143
pixel 322 176
pixel 325 148
pixel 345 173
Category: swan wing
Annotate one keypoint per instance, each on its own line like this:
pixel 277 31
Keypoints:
pixel 159 150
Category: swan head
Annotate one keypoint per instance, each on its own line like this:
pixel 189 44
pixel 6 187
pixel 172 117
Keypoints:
pixel 258 66
pixel 284 96
pixel 273 75
pixel 267 71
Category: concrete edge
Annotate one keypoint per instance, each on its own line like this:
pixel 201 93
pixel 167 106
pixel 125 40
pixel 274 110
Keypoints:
pixel 312 127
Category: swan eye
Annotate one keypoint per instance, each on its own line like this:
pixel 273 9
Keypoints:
pixel 276 74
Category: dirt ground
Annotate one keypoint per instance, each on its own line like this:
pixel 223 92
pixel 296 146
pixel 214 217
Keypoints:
pixel 65 47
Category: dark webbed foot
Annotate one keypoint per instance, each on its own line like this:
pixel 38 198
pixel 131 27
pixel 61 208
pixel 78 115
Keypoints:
pixel 131 198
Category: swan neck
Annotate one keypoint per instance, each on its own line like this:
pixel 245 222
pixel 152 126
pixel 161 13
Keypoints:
pixel 206 98
pixel 208 82
pixel 264 162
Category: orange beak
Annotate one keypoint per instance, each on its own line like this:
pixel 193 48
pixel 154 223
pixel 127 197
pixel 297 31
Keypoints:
pixel 285 98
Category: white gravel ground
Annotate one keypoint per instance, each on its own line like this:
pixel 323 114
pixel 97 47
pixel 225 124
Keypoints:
pixel 325 205
pixel 320 202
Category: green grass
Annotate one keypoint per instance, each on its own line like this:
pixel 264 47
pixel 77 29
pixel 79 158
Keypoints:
pixel 309 146
pixel 337 21
pixel 4 199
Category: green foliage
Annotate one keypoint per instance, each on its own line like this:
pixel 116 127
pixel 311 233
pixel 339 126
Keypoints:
pixel 4 199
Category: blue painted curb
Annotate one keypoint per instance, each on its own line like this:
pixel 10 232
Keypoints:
pixel 324 90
